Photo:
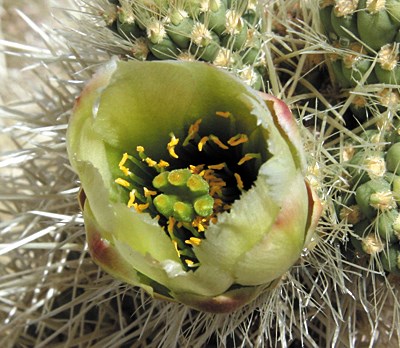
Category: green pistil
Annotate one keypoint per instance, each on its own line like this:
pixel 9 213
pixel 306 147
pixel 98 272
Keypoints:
pixel 184 195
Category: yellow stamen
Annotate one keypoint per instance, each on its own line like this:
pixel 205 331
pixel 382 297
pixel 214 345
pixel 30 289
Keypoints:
pixel 239 181
pixel 171 146
pixel 140 207
pixel 238 139
pixel 193 130
pixel 171 224
pixel 216 140
pixel 121 165
pixel 163 164
pixel 176 247
pixel 198 223
pixel 248 157
pixel 201 143
pixel 196 169
pixel 132 198
pixel 150 162
pixel 224 114
pixel 193 241
pixel 190 263
pixel 148 193
pixel 217 166
pixel 122 182
pixel 139 148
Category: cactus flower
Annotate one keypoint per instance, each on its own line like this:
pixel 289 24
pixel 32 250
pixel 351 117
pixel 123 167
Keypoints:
pixel 192 183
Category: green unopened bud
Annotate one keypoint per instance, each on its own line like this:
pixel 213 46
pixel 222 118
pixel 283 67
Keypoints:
pixel 390 259
pixel 386 225
pixel 373 195
pixel 393 159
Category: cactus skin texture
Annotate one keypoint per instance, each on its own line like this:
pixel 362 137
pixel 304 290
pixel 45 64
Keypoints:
pixel 373 209
pixel 366 34
pixel 225 33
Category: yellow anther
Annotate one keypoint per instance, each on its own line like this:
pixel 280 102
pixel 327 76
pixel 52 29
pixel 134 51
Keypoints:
pixel 148 193
pixel 198 223
pixel 196 169
pixel 124 158
pixel 217 166
pixel 139 148
pixel 122 182
pixel 163 164
pixel 176 247
pixel 132 198
pixel 150 162
pixel 171 146
pixel 171 224
pixel 216 140
pixel 193 241
pixel 121 165
pixel 248 157
pixel 238 181
pixel 238 139
pixel 201 143
pixel 140 207
pixel 190 263
pixel 193 130
pixel 224 114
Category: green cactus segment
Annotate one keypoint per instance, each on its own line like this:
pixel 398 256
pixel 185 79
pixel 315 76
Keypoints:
pixel 188 198
pixel 224 33
pixel 366 35
pixel 374 209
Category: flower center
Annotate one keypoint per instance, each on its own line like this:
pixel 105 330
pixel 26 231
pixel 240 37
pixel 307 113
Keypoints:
pixel 206 174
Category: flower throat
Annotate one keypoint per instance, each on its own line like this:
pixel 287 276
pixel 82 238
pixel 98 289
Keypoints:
pixel 203 176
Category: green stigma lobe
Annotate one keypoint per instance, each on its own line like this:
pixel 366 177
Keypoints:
pixel 184 195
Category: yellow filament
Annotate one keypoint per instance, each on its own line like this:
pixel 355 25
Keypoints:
pixel 224 114
pixel 171 146
pixel 132 198
pixel 201 143
pixel 238 139
pixel 122 182
pixel 216 140
pixel 238 181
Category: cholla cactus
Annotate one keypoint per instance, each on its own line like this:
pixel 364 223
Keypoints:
pixel 373 208
pixel 205 210
pixel 224 33
pixel 365 35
